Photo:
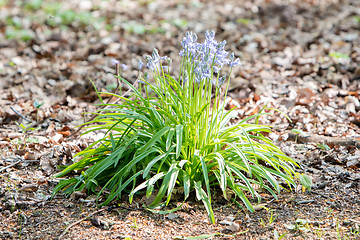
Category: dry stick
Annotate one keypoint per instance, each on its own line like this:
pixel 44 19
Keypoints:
pixel 324 139
pixel 11 165
pixel 20 115
pixel 77 222
pixel 320 194
pixel 355 221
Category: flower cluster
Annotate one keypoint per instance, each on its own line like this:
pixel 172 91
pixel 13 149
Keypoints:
pixel 153 61
pixel 206 58
pixel 203 59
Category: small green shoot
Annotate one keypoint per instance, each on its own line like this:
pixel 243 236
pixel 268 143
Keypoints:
pixel 323 146
pixel 111 87
pixel 27 127
pixel 37 104
pixel 355 231
pixel 356 19
pixel 297 132
pixel 271 218
pixel 244 21
pixel 135 225
pixel 339 55
pixel 305 180
pixel 278 236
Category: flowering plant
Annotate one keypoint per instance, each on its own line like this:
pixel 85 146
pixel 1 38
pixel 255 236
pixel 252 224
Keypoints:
pixel 175 134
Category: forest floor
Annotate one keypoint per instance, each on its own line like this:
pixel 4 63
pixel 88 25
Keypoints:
pixel 302 58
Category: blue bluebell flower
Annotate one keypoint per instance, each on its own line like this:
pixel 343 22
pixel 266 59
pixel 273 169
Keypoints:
pixel 154 60
pixel 150 62
pixel 140 64
pixel 114 62
pixel 221 80
pixel 235 62
pixel 124 67
pixel 201 60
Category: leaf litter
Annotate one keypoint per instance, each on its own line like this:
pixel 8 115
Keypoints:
pixel 301 58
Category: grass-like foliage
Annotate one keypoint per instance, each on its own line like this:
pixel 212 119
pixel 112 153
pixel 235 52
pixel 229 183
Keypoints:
pixel 175 134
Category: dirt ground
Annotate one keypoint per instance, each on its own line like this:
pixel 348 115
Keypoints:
pixel 300 57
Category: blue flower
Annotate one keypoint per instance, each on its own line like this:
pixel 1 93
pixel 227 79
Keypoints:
pixel 222 80
pixel 201 60
pixel 114 62
pixel 154 60
pixel 124 67
pixel 155 56
pixel 150 62
pixel 235 62
pixel 140 64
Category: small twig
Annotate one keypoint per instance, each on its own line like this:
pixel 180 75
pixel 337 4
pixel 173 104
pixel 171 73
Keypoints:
pixel 20 115
pixel 77 222
pixel 320 194
pixel 11 165
pixel 42 221
pixel 355 221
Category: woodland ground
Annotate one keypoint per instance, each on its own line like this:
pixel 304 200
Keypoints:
pixel 301 57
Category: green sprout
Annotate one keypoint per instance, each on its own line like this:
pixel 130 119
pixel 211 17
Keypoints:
pixel 356 19
pixel 297 132
pixel 339 55
pixel 244 21
pixel 323 146
pixel 26 127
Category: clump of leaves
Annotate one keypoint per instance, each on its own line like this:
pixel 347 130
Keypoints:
pixel 176 134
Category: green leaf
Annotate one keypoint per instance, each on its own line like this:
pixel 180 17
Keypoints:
pixel 179 134
pixel 120 188
pixel 164 211
pixel 187 186
pixel 154 139
pixel 297 131
pixel 242 196
pixel 172 181
pixel 221 162
pixel 164 186
pixel 201 195
pixel 155 160
pixel 169 138
pixel 305 180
